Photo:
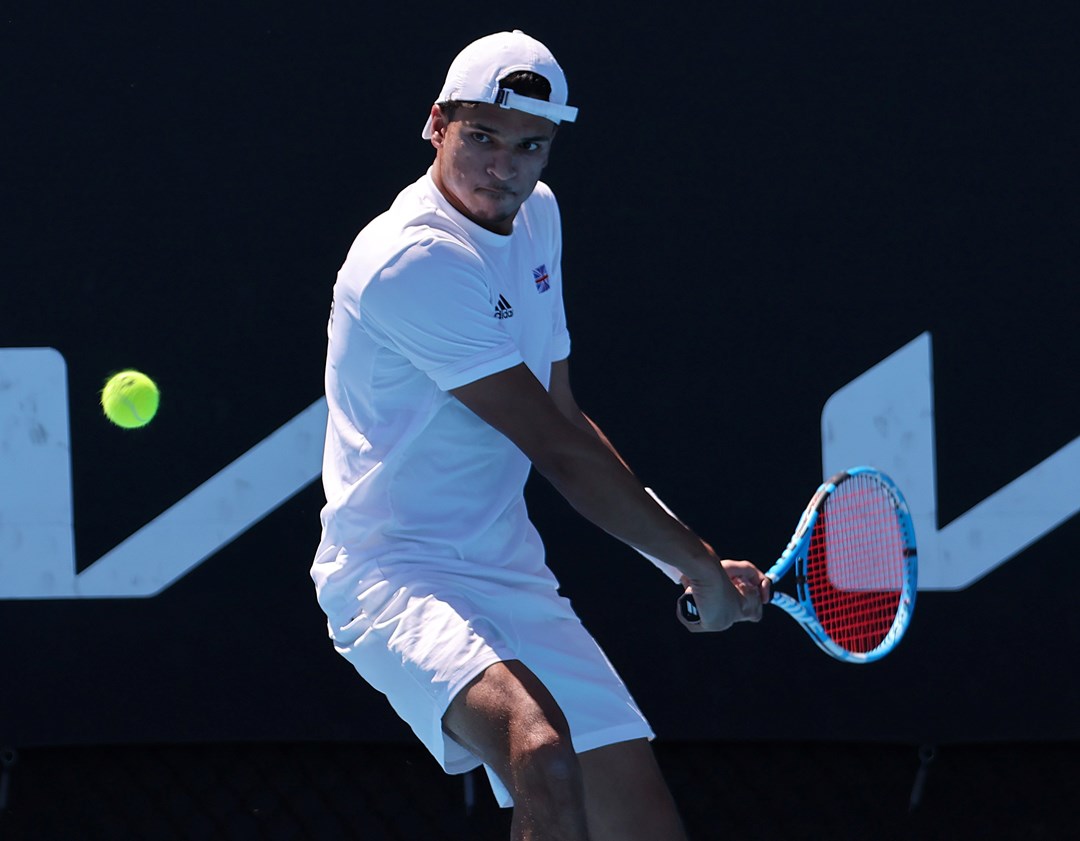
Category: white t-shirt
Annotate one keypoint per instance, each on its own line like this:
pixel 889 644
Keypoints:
pixel 427 301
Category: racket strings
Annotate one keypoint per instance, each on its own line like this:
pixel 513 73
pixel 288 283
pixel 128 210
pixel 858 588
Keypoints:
pixel 856 564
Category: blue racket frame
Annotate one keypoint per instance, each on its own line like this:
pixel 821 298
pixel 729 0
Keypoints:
pixel 801 609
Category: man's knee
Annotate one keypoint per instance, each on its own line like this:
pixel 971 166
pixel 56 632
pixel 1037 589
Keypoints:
pixel 543 763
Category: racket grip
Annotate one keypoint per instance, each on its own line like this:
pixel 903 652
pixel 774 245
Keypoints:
pixel 688 609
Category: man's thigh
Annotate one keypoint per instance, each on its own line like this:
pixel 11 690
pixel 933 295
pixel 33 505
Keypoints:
pixel 501 712
pixel 626 796
pixel 504 696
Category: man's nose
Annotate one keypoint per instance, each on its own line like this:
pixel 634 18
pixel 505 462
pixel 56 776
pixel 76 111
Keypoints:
pixel 501 165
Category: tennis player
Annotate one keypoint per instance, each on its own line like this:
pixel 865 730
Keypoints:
pixel 447 378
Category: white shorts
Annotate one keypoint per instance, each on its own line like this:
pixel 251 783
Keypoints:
pixel 419 636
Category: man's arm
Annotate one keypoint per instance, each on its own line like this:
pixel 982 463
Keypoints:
pixel 571 453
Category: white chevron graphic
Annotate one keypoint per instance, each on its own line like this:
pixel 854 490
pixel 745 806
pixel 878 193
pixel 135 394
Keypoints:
pixel 37 551
pixel 884 417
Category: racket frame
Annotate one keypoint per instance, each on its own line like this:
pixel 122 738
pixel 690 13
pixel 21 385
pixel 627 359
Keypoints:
pixel 801 608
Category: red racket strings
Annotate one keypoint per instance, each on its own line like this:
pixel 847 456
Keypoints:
pixel 855 566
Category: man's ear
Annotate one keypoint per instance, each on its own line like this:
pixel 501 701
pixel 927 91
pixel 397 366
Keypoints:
pixel 439 124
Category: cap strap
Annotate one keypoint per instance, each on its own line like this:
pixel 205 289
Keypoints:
pixel 507 98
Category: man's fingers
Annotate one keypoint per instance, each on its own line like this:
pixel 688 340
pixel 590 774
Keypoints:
pixel 744 585
pixel 752 605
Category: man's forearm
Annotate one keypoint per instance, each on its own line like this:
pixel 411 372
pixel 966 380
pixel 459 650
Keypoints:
pixel 599 484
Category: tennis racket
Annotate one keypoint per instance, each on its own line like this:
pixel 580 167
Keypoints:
pixel 855 565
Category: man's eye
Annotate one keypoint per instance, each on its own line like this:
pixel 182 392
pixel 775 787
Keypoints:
pixel 480 137
pixel 531 146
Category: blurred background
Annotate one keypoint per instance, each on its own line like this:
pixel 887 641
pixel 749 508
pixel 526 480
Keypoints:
pixel 761 202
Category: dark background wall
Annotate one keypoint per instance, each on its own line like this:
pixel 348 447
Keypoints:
pixel 760 200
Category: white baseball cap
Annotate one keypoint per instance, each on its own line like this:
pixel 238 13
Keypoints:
pixel 475 74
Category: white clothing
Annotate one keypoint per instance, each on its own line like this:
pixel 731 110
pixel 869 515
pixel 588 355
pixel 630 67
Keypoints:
pixel 429 569
pixel 427 301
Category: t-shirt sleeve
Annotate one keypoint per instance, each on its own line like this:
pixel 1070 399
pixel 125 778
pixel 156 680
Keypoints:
pixel 432 305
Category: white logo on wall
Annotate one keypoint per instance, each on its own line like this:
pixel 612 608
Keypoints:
pixel 885 418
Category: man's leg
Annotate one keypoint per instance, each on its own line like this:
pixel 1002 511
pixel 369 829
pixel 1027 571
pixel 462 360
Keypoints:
pixel 507 717
pixel 626 797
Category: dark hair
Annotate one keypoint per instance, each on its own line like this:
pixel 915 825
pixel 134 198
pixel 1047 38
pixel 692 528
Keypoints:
pixel 527 83
pixel 524 82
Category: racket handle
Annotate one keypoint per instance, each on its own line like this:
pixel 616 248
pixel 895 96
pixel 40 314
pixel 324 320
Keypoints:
pixel 688 609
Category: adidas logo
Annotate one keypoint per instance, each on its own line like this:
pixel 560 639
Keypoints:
pixel 503 309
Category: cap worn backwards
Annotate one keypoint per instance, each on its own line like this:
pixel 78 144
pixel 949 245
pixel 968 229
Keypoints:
pixel 475 74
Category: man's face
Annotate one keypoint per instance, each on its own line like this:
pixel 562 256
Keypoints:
pixel 488 160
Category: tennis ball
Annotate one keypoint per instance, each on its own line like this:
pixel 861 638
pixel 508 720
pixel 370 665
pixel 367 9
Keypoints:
pixel 130 399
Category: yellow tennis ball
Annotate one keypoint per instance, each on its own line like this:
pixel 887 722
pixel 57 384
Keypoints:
pixel 130 399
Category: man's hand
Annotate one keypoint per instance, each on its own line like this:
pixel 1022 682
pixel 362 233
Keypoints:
pixel 735 593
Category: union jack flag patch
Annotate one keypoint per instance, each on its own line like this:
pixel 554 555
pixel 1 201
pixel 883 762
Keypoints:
pixel 540 276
